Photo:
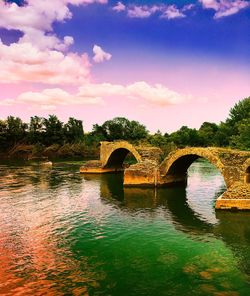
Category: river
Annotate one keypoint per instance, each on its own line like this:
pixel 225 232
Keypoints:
pixel 62 233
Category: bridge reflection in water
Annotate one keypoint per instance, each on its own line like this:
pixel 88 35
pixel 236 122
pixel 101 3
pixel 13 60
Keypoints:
pixel 62 232
pixel 176 205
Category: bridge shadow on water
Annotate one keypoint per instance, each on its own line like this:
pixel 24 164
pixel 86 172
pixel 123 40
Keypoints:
pixel 233 228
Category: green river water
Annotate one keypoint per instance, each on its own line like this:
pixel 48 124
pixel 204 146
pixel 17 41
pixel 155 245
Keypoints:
pixel 62 233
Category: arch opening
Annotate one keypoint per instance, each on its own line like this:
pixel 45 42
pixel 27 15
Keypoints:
pixel 181 165
pixel 247 175
pixel 120 158
pixel 178 170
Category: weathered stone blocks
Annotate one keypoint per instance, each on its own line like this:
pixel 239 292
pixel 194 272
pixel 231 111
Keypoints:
pixel 149 171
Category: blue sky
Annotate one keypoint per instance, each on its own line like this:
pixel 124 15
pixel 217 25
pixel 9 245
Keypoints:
pixel 228 36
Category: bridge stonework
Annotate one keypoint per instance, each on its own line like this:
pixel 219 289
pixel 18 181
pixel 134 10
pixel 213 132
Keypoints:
pixel 150 170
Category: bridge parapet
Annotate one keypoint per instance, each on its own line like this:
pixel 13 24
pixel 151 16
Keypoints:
pixel 152 154
pixel 228 161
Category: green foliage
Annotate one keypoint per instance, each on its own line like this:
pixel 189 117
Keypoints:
pixel 3 135
pixel 207 134
pixel 15 129
pixel 120 128
pixel 36 130
pixel 158 139
pixel 185 136
pixel 238 113
pixel 222 135
pixel 51 136
pixel 54 133
pixel 241 140
pixel 238 125
pixel 73 130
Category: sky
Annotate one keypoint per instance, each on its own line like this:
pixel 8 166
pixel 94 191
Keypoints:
pixel 163 63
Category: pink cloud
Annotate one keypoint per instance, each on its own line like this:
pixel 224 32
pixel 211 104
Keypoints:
pixel 224 8
pixel 35 20
pixel 144 11
pixel 139 12
pixel 100 55
pixel 50 99
pixel 119 7
pixel 188 7
pixel 96 93
pixel 39 55
pixel 25 62
pixel 172 12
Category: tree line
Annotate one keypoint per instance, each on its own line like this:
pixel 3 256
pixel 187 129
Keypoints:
pixel 234 132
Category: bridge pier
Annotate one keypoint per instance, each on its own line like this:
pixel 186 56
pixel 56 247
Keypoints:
pixel 141 174
pixel 237 197
pixel 147 174
pixel 95 167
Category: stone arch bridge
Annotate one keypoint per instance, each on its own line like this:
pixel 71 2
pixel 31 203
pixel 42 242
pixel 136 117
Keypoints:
pixel 152 169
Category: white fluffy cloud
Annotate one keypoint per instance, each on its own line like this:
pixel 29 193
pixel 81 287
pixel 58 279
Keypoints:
pixel 25 62
pixel 145 11
pixel 100 55
pixel 224 7
pixel 139 11
pixel 35 20
pixel 39 55
pixel 119 7
pixel 156 94
pixel 50 99
pixel 172 12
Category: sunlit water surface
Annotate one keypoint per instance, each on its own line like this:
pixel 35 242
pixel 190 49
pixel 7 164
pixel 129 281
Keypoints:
pixel 62 233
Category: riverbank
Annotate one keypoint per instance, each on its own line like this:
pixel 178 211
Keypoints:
pixel 55 151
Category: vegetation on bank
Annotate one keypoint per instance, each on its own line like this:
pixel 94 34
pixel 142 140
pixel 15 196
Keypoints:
pixel 53 138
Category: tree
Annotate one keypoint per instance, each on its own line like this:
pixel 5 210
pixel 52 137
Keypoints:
pixel 73 130
pixel 15 130
pixel 36 130
pixel 136 131
pixel 120 128
pixel 237 125
pixel 54 133
pixel 207 133
pixel 185 136
pixel 158 139
pixel 239 112
pixel 3 134
pixel 242 139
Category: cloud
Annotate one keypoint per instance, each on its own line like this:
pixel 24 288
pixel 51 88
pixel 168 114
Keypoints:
pixel 39 55
pixel 25 62
pixel 50 99
pixel 210 4
pixel 94 94
pixel 224 8
pixel 172 12
pixel 36 20
pixel 100 55
pixel 145 11
pixel 155 94
pixel 79 2
pixel 188 7
pixel 119 7
pixel 139 11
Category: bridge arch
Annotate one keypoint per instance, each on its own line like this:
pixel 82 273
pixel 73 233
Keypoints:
pixel 246 171
pixel 177 163
pixel 114 155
